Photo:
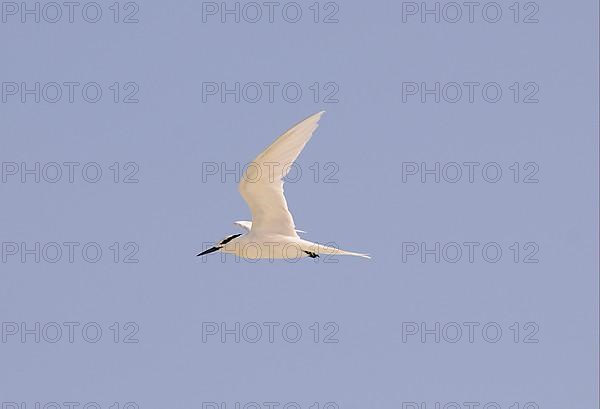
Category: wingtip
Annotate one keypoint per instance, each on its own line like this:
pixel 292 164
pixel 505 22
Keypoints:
pixel 317 115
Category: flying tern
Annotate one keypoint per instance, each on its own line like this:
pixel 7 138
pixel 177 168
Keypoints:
pixel 272 233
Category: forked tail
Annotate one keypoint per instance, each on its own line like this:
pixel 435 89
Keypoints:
pixel 322 249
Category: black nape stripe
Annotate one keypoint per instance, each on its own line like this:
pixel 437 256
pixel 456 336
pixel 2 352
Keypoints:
pixel 228 239
pixel 210 250
pixel 311 254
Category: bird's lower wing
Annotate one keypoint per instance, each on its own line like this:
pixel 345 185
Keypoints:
pixel 246 225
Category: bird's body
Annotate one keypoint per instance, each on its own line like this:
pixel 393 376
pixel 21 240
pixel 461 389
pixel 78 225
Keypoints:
pixel 271 246
pixel 272 233
pixel 278 246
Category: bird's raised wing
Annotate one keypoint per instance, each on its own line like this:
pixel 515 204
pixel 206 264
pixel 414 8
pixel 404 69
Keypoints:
pixel 262 183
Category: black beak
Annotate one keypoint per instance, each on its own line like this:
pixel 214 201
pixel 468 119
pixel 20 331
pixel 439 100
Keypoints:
pixel 210 250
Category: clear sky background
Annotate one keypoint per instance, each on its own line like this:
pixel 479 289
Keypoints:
pixel 369 137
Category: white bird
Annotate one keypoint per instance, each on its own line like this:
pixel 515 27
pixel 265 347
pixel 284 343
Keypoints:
pixel 272 233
